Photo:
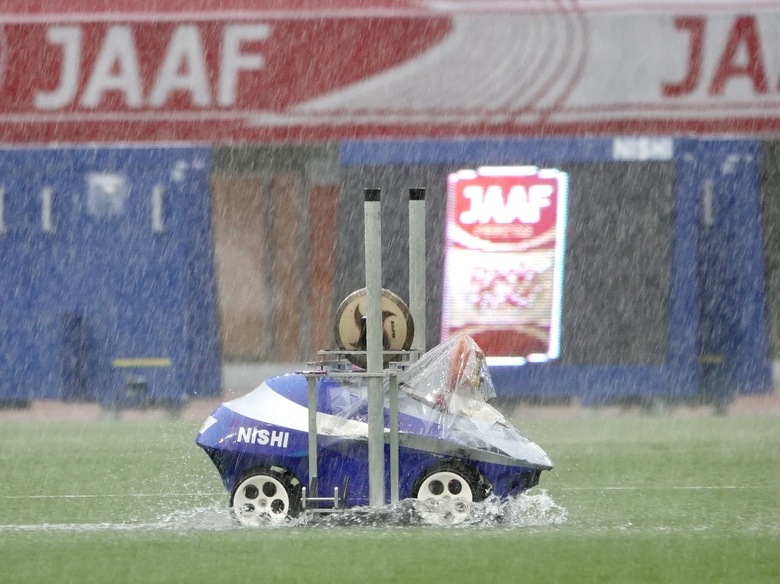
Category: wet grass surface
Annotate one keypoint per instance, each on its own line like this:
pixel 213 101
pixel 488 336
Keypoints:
pixel 647 499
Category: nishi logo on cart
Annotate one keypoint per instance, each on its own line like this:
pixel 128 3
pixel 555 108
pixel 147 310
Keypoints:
pixel 263 436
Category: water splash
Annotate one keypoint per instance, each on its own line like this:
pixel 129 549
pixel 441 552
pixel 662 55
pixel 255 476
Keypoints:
pixel 533 510
pixel 214 517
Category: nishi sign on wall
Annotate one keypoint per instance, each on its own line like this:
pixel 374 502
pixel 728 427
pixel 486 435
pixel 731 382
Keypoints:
pixel 504 260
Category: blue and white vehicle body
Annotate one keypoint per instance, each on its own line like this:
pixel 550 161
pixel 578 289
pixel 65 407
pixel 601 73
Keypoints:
pixel 454 447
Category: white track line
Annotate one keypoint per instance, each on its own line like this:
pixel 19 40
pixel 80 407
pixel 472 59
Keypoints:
pixel 67 527
pixel 676 488
pixel 128 495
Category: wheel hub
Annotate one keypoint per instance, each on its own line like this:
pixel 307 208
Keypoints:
pixel 446 498
pixel 261 498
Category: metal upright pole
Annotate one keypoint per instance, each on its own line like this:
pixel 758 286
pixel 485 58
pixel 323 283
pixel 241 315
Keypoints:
pixel 393 419
pixel 312 404
pixel 376 422
pixel 417 297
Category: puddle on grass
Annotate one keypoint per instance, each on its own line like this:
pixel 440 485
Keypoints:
pixel 526 510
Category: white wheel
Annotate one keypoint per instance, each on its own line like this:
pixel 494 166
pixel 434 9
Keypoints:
pixel 264 497
pixel 445 498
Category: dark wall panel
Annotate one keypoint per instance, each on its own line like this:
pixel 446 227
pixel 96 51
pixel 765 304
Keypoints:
pixel 618 264
pixel 275 235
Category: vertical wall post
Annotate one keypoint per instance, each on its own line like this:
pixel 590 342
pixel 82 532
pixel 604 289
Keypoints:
pixel 417 297
pixel 376 423
pixel 47 204
pixel 158 221
pixel 2 211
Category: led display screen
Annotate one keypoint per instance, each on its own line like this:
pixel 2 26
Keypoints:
pixel 503 277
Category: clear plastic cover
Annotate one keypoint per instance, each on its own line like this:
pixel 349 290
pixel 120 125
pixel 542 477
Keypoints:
pixel 444 395
pixel 452 376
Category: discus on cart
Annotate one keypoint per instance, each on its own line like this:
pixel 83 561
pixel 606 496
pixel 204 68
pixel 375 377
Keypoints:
pixel 350 326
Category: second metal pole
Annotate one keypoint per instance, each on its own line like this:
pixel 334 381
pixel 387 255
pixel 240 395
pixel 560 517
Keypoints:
pixel 376 422
pixel 417 296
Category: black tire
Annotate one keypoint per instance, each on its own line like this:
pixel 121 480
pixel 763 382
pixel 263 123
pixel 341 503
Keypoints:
pixel 266 495
pixel 446 493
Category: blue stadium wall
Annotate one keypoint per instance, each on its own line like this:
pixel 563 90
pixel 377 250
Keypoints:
pixel 107 280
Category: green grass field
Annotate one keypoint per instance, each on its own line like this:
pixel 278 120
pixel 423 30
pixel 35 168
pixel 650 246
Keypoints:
pixel 647 499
